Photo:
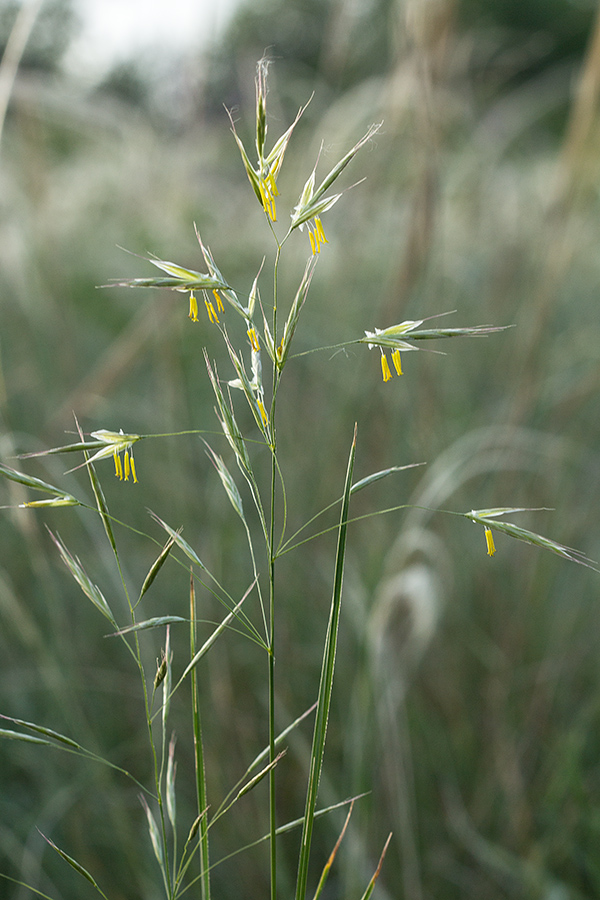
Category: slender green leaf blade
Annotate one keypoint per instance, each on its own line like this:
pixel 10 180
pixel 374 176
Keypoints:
pixel 325 686
pixel 377 476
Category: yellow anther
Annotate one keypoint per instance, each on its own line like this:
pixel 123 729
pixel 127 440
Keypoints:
pixel 193 314
pixel 253 339
pixel 127 466
pixel 211 312
pixel 385 367
pixel 320 232
pixel 489 538
pixel 118 466
pixel 133 468
pixel 397 362
pixel 220 306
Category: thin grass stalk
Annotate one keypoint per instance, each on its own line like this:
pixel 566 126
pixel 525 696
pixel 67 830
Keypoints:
pixel 104 513
pixel 106 520
pixel 203 847
pixel 271 637
pixel 325 687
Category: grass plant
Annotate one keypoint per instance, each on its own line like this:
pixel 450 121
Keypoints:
pixel 252 339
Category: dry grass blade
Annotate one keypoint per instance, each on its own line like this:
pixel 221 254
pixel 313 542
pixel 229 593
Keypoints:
pixel 333 854
pixel 371 884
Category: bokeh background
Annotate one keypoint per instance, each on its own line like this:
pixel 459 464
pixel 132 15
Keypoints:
pixel 467 694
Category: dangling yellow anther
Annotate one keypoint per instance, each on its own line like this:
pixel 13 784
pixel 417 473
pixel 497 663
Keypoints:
pixel 489 538
pixel 313 245
pixel 135 481
pixel 126 465
pixel 220 306
pixel 193 314
pixel 397 362
pixel 385 367
pixel 253 339
pixel 211 312
pixel 118 466
pixel 320 232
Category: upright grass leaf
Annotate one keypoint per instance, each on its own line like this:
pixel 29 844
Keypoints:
pixel 325 686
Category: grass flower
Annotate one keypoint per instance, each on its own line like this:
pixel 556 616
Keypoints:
pixel 402 337
pixel 184 280
pixel 312 203
pixel 399 336
pixel 115 444
pixel 263 176
pixel 489 519
pixel 178 278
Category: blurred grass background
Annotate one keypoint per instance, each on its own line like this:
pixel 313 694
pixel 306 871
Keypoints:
pixel 467 697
